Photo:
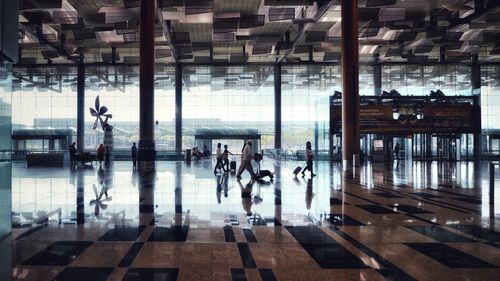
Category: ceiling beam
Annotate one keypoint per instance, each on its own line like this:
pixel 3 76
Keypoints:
pixel 302 33
pixel 165 26
pixel 59 49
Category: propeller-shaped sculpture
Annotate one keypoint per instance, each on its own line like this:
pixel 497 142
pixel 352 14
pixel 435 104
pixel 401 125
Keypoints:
pixel 99 112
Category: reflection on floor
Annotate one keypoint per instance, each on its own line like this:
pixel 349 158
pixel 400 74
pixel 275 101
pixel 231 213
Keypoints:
pixel 410 221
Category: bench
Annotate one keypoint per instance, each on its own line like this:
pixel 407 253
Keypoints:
pixel 84 158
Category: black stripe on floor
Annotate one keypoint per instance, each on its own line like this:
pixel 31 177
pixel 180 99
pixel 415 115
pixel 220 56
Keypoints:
pixel 131 254
pixel 390 271
pixel 246 256
pixel 439 234
pixel 249 235
pixel 449 256
pixel 229 234
pixel 327 252
pixel 267 274
pixel 238 274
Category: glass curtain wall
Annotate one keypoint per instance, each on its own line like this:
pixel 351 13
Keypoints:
pixel 490 108
pixel 231 101
pixel 419 80
pixel 164 108
pixel 5 146
pixel 305 106
pixel 118 90
pixel 43 100
pixel 366 87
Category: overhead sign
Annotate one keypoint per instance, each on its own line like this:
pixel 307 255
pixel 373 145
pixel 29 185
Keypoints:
pixel 378 119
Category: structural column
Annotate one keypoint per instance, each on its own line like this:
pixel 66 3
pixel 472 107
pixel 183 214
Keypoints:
pixel 277 106
pixel 178 107
pixel 476 91
pixel 350 72
pixel 80 104
pixel 147 153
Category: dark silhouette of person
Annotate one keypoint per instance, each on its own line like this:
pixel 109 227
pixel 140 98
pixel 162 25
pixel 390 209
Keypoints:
pixel 100 153
pixel 309 160
pixel 246 161
pixel 225 158
pixel 396 151
pixel 108 156
pixel 219 180
pixel 218 156
pixel 72 154
pixel 133 151
pixel 309 194
pixel 246 197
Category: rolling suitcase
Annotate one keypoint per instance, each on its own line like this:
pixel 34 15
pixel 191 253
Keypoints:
pixel 232 165
pixel 297 170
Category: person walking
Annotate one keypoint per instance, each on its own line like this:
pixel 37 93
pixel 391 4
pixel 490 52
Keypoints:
pixel 218 157
pixel 108 156
pixel 72 154
pixel 100 154
pixel 246 161
pixel 225 158
pixel 133 151
pixel 309 160
pixel 396 151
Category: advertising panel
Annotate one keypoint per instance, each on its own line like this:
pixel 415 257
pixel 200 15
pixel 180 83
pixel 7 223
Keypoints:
pixel 431 118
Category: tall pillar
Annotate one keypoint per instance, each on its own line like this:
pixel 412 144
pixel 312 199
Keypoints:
pixel 146 181
pixel 476 91
pixel 80 112
pixel 147 153
pixel 80 197
pixel 350 79
pixel 277 106
pixel 178 107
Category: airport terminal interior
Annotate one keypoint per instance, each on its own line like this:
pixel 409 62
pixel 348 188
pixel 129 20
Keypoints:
pixel 249 140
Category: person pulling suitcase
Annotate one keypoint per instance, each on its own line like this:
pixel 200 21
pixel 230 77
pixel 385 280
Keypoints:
pixel 225 159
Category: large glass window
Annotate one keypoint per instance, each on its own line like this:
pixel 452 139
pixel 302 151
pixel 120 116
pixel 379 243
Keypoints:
pixel 165 108
pixel 5 145
pixel 230 101
pixel 305 105
pixel 490 98
pixel 44 99
pixel 418 80
pixel 366 87
pixel 118 90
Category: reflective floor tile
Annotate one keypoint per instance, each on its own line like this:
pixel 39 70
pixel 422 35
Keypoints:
pixel 341 219
pixel 387 195
pixel 439 234
pixel 449 256
pixel 169 234
pixel 60 253
pixel 122 233
pixel 151 274
pixel 102 254
pixel 376 209
pixel 84 274
pixel 479 232
pixel 410 209
pixel 327 252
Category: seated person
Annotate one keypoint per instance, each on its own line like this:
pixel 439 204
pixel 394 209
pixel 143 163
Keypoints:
pixel 206 151
pixel 196 152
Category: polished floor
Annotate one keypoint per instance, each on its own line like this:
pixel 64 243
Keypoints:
pixel 400 221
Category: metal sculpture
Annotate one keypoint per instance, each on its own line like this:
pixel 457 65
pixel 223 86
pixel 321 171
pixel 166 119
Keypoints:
pixel 99 112
pixel 102 116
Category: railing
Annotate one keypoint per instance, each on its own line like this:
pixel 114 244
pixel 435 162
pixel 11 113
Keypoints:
pixel 297 155
pixel 118 154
